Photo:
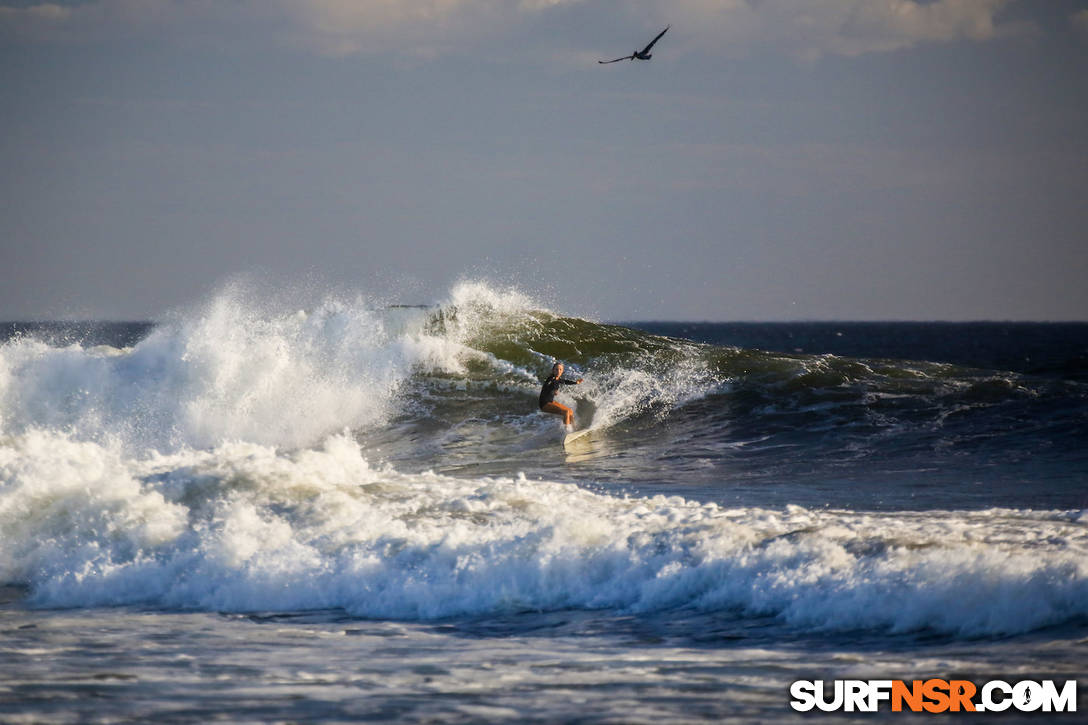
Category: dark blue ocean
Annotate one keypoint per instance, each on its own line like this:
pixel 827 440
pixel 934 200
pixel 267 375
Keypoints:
pixel 355 513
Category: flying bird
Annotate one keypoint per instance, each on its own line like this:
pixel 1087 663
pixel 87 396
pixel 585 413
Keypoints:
pixel 643 54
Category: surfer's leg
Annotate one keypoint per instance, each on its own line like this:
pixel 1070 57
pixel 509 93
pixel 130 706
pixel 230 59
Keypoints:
pixel 559 409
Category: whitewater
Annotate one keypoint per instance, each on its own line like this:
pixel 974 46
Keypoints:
pixel 354 511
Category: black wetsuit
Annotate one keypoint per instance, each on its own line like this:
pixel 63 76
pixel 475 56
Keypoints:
pixel 551 385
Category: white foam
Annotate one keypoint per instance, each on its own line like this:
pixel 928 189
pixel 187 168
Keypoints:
pixel 229 370
pixel 246 527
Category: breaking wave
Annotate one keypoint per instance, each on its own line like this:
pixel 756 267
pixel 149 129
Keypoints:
pixel 236 459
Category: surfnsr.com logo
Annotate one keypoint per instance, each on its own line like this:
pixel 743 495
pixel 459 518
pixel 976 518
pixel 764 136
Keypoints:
pixel 934 696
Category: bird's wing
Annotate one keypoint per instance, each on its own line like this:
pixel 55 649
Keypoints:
pixel 647 48
pixel 626 57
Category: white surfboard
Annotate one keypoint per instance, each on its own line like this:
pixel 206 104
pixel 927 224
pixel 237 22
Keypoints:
pixel 571 437
pixel 585 410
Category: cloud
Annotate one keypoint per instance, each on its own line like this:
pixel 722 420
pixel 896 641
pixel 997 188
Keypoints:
pixel 327 27
pixel 1080 22
pixel 808 29
pixel 102 20
pixel 422 27
pixel 814 28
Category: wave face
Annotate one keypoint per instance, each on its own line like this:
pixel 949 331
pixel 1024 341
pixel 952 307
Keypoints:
pixel 391 463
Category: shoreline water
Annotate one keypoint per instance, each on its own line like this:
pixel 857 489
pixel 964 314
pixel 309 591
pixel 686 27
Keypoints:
pixel 120 664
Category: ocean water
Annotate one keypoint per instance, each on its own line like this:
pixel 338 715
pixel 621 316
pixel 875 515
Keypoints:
pixel 251 512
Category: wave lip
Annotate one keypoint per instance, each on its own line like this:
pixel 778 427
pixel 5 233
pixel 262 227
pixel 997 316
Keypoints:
pixel 245 527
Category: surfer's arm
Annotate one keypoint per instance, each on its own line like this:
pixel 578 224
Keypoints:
pixel 570 382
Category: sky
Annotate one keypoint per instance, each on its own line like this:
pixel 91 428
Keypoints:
pixel 775 160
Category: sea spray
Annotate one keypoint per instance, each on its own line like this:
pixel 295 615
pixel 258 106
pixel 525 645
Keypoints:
pixel 226 371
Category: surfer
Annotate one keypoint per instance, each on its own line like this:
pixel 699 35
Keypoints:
pixel 547 394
